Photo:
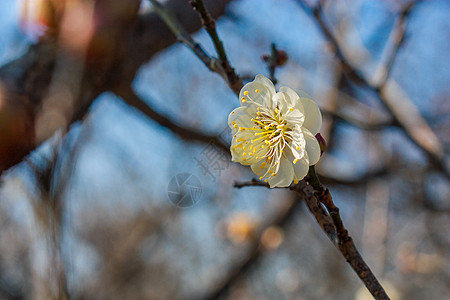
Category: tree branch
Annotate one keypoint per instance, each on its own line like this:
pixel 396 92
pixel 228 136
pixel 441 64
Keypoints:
pixel 130 97
pixel 395 100
pixel 221 66
pixel 397 38
pixel 24 82
pixel 331 223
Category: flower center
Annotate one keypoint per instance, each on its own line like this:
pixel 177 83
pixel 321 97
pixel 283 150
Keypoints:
pixel 270 130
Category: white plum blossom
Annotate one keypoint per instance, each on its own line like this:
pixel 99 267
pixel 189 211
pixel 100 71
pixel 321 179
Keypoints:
pixel 274 132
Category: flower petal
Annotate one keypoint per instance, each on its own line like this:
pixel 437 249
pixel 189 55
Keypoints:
pixel 301 167
pixel 260 168
pixel 293 96
pixel 295 118
pixel 267 82
pixel 312 147
pixel 237 156
pixel 313 117
pixel 284 176
pixel 242 117
pixel 257 93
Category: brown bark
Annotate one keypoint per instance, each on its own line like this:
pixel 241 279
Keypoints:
pixel 121 43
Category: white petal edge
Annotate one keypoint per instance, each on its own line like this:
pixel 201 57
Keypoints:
pixel 313 117
pixel 265 81
pixel 256 168
pixel 301 168
pixel 264 97
pixel 312 147
pixel 285 174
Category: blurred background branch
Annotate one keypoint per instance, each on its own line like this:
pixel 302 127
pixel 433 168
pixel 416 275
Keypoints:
pixel 389 92
pixel 107 113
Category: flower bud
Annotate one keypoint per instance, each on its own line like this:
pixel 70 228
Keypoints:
pixel 322 143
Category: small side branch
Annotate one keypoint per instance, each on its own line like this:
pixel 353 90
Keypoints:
pixel 253 182
pixel 277 58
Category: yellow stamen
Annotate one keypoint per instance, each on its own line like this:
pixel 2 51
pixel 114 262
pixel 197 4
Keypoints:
pixel 246 93
pixel 256 91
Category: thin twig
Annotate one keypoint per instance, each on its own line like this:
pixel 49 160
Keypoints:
pixel 220 67
pixel 209 23
pixel 394 99
pixel 253 182
pixel 182 35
